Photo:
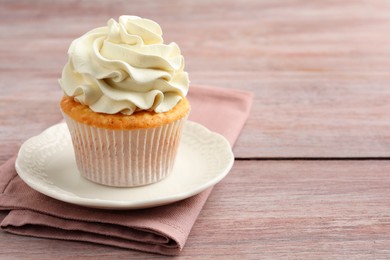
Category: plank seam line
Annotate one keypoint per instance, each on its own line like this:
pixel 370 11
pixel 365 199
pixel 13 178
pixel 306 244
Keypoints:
pixel 312 158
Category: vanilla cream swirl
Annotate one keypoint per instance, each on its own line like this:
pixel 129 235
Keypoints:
pixel 125 67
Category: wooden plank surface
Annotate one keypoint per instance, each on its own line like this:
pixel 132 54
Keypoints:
pixel 320 73
pixel 296 210
pixel 319 70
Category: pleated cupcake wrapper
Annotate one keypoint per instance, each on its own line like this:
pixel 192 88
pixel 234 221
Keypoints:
pixel 125 158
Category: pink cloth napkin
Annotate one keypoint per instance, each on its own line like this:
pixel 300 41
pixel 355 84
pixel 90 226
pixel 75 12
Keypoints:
pixel 161 229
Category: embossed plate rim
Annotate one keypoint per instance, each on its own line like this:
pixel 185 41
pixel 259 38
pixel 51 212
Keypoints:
pixel 218 163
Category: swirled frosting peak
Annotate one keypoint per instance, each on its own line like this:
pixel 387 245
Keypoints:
pixel 125 67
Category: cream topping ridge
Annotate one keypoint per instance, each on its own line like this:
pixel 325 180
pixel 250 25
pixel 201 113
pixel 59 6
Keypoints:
pixel 125 67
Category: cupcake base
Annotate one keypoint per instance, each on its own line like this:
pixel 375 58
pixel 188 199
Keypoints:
pixel 125 158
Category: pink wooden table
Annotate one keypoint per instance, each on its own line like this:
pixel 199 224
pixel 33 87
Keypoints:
pixel 312 172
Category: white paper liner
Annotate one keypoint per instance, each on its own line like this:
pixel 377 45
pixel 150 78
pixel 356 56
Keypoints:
pixel 125 158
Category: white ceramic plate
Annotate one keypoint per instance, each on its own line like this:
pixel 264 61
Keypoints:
pixel 47 164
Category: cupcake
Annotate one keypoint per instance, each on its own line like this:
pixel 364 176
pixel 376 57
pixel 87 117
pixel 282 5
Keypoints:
pixel 125 102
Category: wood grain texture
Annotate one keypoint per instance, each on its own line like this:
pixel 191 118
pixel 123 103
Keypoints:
pixel 296 210
pixel 320 74
pixel 319 70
